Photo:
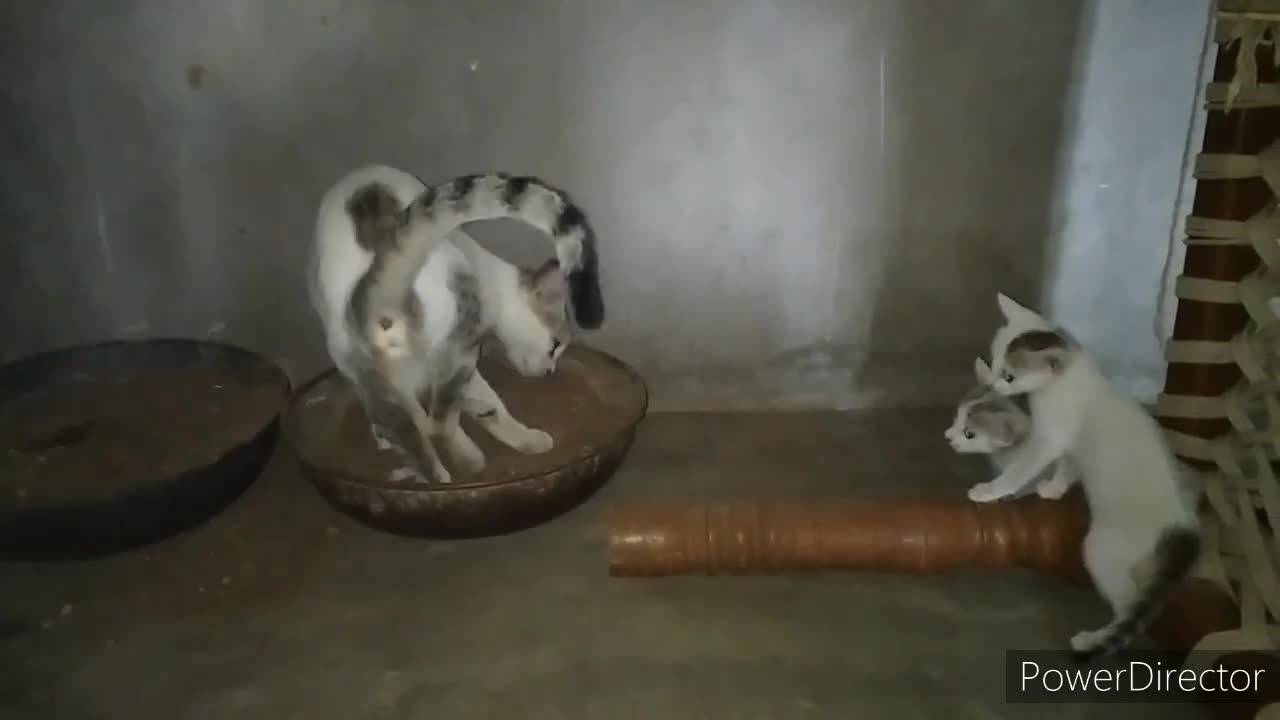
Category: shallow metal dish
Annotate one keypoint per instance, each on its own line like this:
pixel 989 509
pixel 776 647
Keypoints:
pixel 591 406
pixel 148 511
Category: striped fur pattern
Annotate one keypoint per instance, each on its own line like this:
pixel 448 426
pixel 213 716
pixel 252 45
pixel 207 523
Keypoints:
pixel 443 207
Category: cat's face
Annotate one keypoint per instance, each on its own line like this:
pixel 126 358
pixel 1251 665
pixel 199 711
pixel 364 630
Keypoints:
pixel 986 421
pixel 1027 353
pixel 987 425
pixel 536 330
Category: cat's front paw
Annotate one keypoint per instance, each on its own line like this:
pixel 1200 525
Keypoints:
pixel 985 492
pixel 469 456
pixel 535 442
pixel 1053 490
pixel 439 473
pixel 1084 640
pixel 402 474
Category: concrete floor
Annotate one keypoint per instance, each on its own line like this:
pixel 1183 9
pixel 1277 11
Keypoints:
pixel 281 608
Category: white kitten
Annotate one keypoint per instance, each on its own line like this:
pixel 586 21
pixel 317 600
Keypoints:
pixel 989 423
pixel 1144 536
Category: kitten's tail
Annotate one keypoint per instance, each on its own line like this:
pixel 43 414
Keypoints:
pixel 1175 554
pixel 442 207
pixel 374 209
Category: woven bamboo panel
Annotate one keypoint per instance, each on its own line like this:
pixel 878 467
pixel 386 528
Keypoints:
pixel 1221 400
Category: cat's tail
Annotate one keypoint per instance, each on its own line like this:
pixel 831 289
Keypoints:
pixel 442 207
pixel 375 211
pixel 1175 554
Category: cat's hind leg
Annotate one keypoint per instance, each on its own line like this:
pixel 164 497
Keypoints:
pixel 417 449
pixel 446 405
pixel 362 394
pixel 405 427
pixel 1110 559
pixel 481 403
pixel 454 366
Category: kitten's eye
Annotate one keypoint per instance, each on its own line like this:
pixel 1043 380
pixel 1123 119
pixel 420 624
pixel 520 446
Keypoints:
pixel 968 434
pixel 555 345
pixel 1007 376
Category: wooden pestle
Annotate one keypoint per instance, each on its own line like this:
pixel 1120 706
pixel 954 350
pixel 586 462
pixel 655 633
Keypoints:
pixel 919 536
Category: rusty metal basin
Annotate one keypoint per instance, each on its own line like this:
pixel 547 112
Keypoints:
pixel 591 406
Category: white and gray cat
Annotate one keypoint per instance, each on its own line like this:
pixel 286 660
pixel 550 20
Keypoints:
pixel 996 425
pixel 405 299
pixel 1144 534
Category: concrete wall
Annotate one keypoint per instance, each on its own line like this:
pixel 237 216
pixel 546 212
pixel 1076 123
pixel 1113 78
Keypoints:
pixel 801 202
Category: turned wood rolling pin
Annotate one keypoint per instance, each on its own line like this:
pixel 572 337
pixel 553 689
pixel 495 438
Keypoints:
pixel 653 539
pixel 922 536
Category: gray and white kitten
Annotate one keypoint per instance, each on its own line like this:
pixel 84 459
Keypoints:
pixel 996 425
pixel 406 298
pixel 1144 534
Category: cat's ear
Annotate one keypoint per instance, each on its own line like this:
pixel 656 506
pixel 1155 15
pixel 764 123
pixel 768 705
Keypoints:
pixel 981 370
pixel 1056 359
pixel 548 283
pixel 1048 348
pixel 1012 310
pixel 551 265
pixel 1016 425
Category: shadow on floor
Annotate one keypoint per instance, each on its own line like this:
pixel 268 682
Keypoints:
pixel 281 608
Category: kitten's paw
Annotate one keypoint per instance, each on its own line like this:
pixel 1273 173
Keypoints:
pixel 468 455
pixel 474 464
pixel 439 472
pixel 985 492
pixel 401 474
pixel 1084 640
pixel 1053 490
pixel 535 442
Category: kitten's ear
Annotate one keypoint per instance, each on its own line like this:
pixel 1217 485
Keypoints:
pixel 1017 424
pixel 981 370
pixel 1055 359
pixel 1012 310
pixel 550 266
pixel 548 282
pixel 1047 347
